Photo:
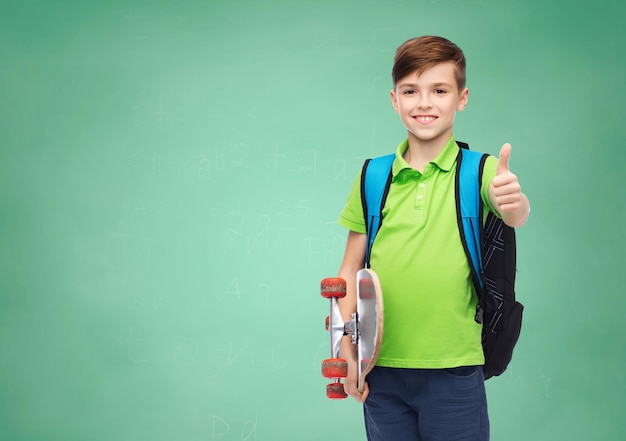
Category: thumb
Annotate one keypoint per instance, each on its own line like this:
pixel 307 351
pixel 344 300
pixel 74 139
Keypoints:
pixel 503 160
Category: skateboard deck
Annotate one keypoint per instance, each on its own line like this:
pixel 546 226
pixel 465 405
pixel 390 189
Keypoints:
pixel 365 329
pixel 369 322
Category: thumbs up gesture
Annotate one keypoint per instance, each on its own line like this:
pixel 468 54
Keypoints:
pixel 506 194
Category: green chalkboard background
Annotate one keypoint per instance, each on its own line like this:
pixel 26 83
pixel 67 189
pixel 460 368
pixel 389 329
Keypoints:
pixel 171 173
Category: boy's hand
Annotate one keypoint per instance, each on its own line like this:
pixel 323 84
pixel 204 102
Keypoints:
pixel 506 188
pixel 506 194
pixel 350 383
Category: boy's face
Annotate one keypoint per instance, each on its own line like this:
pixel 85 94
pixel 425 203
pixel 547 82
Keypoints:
pixel 428 103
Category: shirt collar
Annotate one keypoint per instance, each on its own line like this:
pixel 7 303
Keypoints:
pixel 445 160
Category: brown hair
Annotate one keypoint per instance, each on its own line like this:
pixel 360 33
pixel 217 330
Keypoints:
pixel 421 53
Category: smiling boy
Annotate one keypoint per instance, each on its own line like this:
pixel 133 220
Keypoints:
pixel 428 383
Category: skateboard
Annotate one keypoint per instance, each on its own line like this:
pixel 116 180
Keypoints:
pixel 365 329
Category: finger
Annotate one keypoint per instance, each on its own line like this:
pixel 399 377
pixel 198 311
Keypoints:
pixel 366 392
pixel 510 207
pixel 361 396
pixel 503 160
pixel 504 184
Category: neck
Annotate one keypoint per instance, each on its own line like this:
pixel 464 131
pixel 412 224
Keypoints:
pixel 420 153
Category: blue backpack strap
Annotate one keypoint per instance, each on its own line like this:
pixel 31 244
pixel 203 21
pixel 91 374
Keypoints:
pixel 469 210
pixel 375 182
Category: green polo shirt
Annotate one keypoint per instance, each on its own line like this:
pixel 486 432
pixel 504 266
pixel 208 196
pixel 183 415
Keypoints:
pixel 424 273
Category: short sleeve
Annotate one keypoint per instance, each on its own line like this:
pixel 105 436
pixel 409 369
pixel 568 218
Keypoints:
pixel 489 172
pixel 351 216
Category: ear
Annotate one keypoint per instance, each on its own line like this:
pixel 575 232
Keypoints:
pixel 394 101
pixel 463 100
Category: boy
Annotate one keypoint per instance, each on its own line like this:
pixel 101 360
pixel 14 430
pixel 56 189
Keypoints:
pixel 428 383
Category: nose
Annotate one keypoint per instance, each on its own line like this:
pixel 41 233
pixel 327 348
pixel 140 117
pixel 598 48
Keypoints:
pixel 424 101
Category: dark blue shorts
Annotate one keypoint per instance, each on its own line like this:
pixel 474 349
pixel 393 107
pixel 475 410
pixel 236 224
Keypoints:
pixel 426 405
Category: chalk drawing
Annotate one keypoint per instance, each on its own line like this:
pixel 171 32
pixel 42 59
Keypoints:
pixel 132 345
pixel 273 161
pixel 269 355
pixel 322 352
pixel 335 249
pixel 219 427
pixel 339 170
pixel 261 239
pixel 241 154
pixel 139 302
pixel 204 168
pixel 249 430
pixel 263 294
pixel 228 361
pixel 331 40
pixel 233 290
pixel 310 161
pixel 233 234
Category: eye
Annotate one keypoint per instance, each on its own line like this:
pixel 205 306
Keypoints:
pixel 409 92
pixel 440 91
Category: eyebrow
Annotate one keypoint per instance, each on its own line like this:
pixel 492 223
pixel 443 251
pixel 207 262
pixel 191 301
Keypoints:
pixel 433 85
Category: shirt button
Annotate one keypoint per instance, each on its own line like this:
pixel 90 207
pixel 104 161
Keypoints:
pixel 422 185
pixel 420 197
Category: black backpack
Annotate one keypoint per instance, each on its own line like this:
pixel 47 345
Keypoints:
pixel 493 264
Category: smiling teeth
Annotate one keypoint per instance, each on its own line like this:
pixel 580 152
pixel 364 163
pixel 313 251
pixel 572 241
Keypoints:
pixel 425 119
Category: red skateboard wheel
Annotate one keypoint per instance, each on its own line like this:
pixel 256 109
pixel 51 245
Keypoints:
pixel 335 368
pixel 327 322
pixel 333 287
pixel 335 391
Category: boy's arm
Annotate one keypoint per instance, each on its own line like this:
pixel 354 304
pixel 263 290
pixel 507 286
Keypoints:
pixel 353 261
pixel 505 192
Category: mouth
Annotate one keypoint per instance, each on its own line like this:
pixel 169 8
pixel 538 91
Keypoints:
pixel 424 119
